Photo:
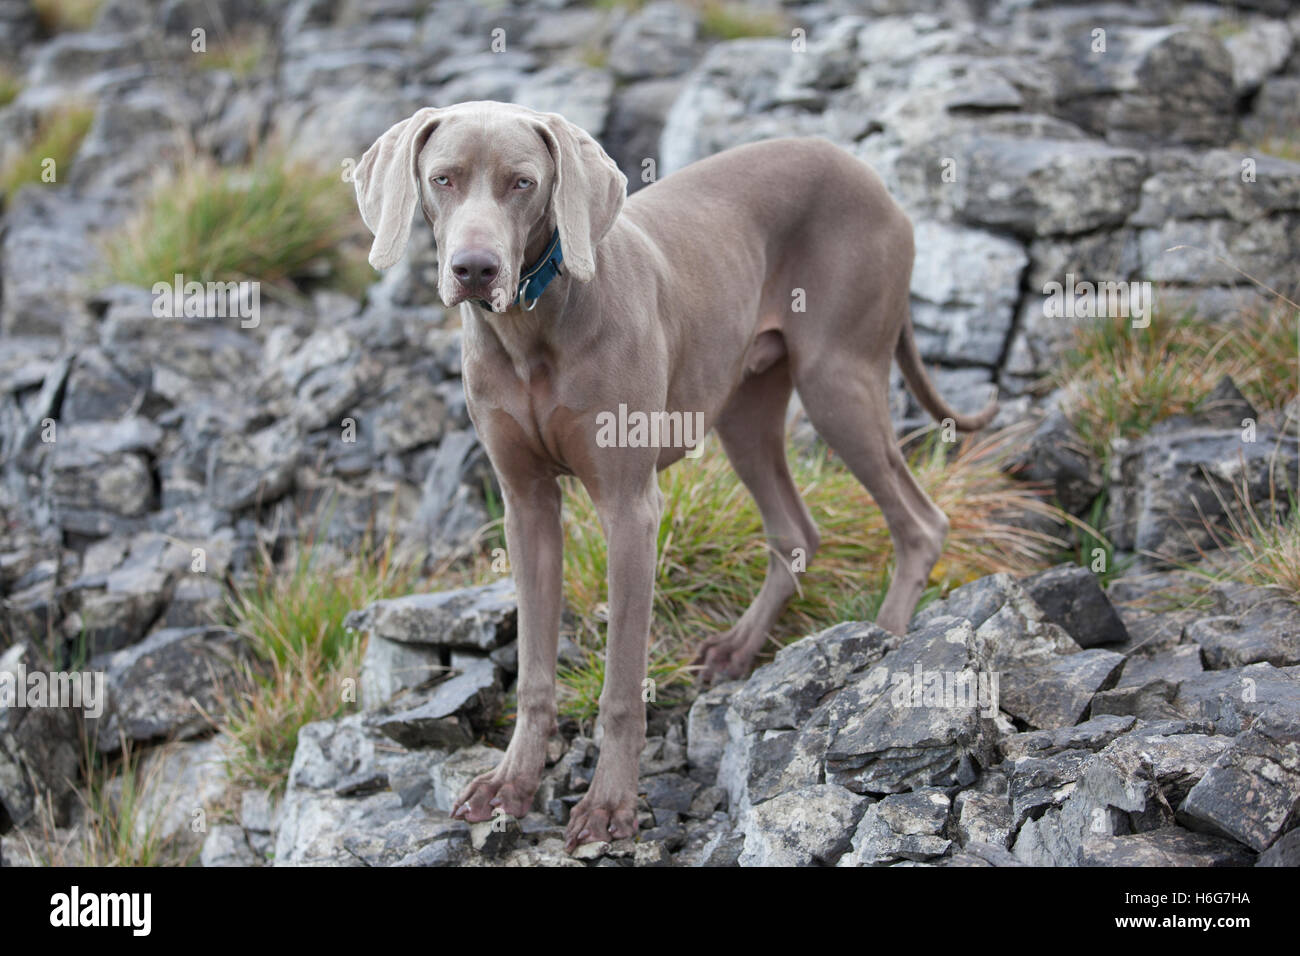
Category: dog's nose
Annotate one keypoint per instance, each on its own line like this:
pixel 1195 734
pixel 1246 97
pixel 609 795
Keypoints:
pixel 475 268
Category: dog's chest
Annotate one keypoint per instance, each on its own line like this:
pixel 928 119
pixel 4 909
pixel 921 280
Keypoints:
pixel 523 394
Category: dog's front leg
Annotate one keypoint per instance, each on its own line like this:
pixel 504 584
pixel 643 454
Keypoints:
pixel 536 543
pixel 630 518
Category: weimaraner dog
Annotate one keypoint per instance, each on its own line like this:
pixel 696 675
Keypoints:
pixel 769 267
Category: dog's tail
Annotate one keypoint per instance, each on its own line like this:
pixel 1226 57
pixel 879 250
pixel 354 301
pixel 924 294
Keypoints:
pixel 909 362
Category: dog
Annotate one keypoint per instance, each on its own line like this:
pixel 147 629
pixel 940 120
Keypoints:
pixel 778 265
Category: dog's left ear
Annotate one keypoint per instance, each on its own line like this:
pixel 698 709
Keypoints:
pixel 588 193
pixel 388 184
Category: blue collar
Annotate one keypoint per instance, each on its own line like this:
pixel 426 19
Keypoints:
pixel 534 280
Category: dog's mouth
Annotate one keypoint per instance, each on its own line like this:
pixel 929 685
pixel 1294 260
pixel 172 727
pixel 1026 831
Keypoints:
pixel 497 294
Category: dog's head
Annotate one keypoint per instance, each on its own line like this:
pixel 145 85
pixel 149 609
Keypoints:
pixel 494 181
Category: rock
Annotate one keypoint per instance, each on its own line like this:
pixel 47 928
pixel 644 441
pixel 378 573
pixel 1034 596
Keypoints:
pixel 450 711
pixel 635 125
pixel 902 826
pixel 1275 109
pixel 661 754
pixel 1186 480
pixel 721 103
pixel 180 785
pixel 922 717
pixel 390 667
pixel 1251 794
pixel 965 284
pixel 1044 187
pixel 1152 86
pixel 1234 698
pixel 658 40
pixel 1285 852
pixel 1171 665
pixel 255 469
pixel 1055 454
pixel 1167 847
pixel 671 791
pixel 476 618
pixel 1090 735
pixel 1040 783
pixel 494 837
pixel 706 728
pixel 1259 49
pixel 802 827
pixel 1266 628
pixel 39 745
pixel 1071 597
pixel 315 826
pixel 982 814
pixel 1058 694
pixel 580 94
pixel 171 685
pixel 226 845
pixel 1130 786
pixel 782 694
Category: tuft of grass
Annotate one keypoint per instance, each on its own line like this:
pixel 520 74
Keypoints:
pixel 1119 381
pixel 274 220
pixel 723 20
pixel 1258 543
pixel 58 137
pixel 120 824
pixel 240 55
pixel 66 16
pixel 308 664
pixel 10 86
pixel 712 553
pixel 1283 147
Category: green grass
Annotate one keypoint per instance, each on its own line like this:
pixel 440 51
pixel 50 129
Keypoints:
pixel 64 16
pixel 719 19
pixel 240 55
pixel 1120 381
pixel 1258 543
pixel 723 20
pixel 307 661
pixel 10 86
pixel 121 817
pixel 58 137
pixel 275 221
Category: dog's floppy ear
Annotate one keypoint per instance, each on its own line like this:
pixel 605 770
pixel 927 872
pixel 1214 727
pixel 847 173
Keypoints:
pixel 588 193
pixel 388 186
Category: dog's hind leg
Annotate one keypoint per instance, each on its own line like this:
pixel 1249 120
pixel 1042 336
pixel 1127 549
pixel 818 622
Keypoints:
pixel 847 402
pixel 752 431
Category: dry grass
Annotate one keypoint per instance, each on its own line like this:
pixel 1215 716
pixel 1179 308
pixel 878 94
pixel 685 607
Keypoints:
pixel 64 16
pixel 1119 381
pixel 1258 543
pixel 723 20
pixel 10 86
pixel 240 55
pixel 309 665
pixel 58 137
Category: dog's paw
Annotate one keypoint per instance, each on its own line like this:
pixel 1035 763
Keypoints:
pixel 725 657
pixel 491 791
pixel 599 819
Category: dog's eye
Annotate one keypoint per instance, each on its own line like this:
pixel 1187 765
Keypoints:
pixel 523 183
pixel 441 181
